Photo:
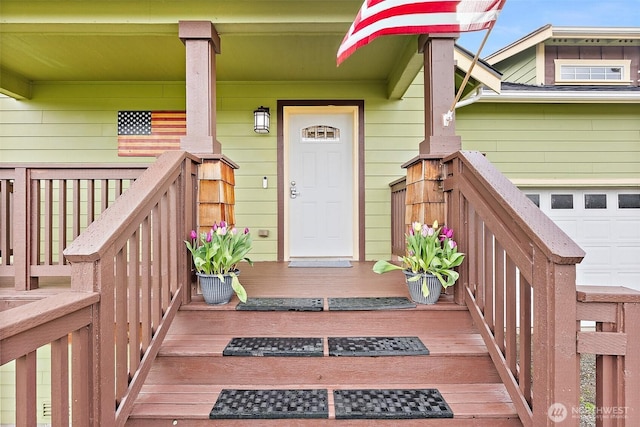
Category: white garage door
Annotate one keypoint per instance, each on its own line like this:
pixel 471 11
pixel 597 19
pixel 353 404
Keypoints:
pixel 606 225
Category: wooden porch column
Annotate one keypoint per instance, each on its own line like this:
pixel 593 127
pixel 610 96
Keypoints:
pixel 425 195
pixel 201 43
pixel 216 196
pixel 439 93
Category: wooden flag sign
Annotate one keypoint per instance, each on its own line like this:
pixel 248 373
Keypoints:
pixel 150 133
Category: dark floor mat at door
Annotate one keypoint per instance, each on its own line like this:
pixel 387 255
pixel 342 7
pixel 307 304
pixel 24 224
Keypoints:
pixel 274 346
pixel 282 304
pixel 376 346
pixel 370 303
pixel 270 404
pixel 390 404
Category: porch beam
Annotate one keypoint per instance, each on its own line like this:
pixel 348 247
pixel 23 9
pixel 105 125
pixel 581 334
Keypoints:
pixel 14 85
pixel 202 43
pixel 405 71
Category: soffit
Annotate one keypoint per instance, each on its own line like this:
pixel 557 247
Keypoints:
pixel 261 40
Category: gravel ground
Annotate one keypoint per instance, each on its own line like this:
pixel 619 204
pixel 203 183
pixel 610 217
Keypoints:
pixel 587 390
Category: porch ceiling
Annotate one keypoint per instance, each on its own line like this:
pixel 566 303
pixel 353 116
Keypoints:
pixel 284 40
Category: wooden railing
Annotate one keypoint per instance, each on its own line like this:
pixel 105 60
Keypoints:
pixel 62 321
pixel 129 275
pixel 44 207
pixel 518 280
pixel 616 344
pixel 398 216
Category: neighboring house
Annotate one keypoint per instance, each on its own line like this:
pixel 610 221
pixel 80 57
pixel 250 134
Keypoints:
pixel 565 128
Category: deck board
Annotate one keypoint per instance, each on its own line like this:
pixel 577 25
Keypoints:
pixel 276 279
pixel 195 401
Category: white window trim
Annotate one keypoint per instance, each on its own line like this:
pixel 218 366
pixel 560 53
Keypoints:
pixel 625 64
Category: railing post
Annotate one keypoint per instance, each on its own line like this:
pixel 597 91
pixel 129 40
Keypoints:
pixel 455 217
pixel 632 363
pixel 96 276
pixel 556 380
pixel 24 231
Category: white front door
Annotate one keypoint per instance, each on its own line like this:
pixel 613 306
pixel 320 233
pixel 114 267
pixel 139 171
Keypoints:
pixel 319 142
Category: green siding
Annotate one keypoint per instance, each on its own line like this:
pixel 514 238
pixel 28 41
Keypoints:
pixel 76 122
pixel 520 68
pixel 555 141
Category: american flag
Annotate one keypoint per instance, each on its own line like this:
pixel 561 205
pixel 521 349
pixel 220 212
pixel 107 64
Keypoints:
pixel 150 133
pixel 385 17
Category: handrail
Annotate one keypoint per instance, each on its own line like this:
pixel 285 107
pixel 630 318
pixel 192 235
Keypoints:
pixel 616 344
pixel 134 256
pixel 518 280
pixel 43 207
pixel 55 321
pixel 129 275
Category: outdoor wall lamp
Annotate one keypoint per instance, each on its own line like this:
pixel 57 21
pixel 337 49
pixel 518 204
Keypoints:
pixel 261 120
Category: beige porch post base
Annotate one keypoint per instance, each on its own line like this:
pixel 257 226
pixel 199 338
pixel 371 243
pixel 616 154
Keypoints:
pixel 216 195
pixel 425 199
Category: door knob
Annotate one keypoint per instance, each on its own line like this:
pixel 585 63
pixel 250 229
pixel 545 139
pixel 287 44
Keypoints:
pixel 293 191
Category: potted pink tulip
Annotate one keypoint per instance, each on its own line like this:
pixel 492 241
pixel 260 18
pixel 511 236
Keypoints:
pixel 216 255
pixel 431 256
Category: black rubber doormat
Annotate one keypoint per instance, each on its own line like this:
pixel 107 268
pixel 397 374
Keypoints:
pixel 390 404
pixel 274 346
pixel 270 404
pixel 377 346
pixel 282 304
pixel 370 303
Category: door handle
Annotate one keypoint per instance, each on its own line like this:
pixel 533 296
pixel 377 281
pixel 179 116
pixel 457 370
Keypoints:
pixel 293 191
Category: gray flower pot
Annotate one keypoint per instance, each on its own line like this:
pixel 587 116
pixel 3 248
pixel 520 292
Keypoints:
pixel 415 287
pixel 214 290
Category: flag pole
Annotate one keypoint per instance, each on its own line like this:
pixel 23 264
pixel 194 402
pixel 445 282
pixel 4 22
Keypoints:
pixel 448 116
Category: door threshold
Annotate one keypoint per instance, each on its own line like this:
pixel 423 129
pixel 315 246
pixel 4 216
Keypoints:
pixel 319 263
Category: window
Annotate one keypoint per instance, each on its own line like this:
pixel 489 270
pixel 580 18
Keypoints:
pixel 595 201
pixel 320 133
pixel 562 201
pixel 535 198
pixel 629 201
pixel 577 71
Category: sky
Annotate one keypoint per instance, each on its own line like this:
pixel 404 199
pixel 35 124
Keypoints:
pixel 521 17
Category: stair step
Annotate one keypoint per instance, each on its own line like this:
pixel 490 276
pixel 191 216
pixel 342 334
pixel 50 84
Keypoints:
pixel 458 344
pixel 338 323
pixel 366 371
pixel 471 404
